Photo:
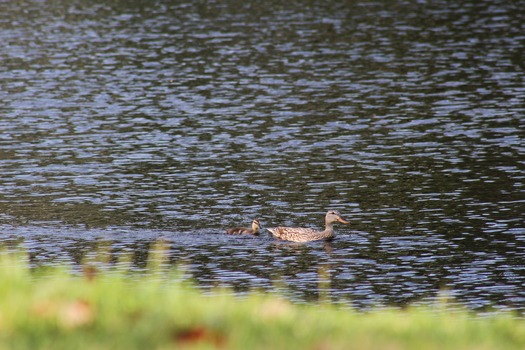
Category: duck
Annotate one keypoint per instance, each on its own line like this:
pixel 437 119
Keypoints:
pixel 256 225
pixel 299 234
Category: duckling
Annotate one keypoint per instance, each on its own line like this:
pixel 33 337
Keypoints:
pixel 256 225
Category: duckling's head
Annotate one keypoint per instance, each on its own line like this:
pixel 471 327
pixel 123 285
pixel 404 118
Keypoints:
pixel 334 216
pixel 256 225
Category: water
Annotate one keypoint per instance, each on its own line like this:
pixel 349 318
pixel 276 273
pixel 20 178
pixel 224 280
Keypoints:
pixel 130 123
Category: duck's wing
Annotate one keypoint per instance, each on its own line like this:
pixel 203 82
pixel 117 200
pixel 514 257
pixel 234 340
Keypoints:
pixel 295 234
pixel 239 231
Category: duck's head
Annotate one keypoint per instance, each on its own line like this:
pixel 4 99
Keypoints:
pixel 334 216
pixel 256 225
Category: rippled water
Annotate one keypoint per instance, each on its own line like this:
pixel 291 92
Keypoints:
pixel 130 123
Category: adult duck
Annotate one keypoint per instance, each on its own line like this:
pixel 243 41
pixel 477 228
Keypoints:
pixel 299 234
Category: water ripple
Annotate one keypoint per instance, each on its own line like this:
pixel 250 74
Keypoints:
pixel 127 125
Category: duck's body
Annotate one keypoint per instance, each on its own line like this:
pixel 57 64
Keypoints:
pixel 299 234
pixel 256 225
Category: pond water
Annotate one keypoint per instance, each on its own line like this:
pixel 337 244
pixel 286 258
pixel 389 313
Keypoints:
pixel 137 127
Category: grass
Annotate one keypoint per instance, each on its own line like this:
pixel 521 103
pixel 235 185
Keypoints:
pixel 54 309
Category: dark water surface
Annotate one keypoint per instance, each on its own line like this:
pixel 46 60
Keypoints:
pixel 132 125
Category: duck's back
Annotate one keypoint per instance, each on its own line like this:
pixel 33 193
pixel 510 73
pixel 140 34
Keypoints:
pixel 299 234
pixel 240 231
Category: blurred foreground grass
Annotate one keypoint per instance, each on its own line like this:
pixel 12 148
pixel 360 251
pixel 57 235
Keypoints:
pixel 54 309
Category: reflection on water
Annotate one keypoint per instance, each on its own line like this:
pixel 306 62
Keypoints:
pixel 130 122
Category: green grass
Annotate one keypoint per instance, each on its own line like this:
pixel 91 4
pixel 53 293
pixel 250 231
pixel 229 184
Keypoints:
pixel 53 309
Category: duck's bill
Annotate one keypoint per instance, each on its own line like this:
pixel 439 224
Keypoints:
pixel 341 220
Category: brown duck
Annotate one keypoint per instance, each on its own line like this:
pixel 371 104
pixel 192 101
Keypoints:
pixel 299 234
pixel 256 225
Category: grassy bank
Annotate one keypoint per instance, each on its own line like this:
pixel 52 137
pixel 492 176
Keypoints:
pixel 56 310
